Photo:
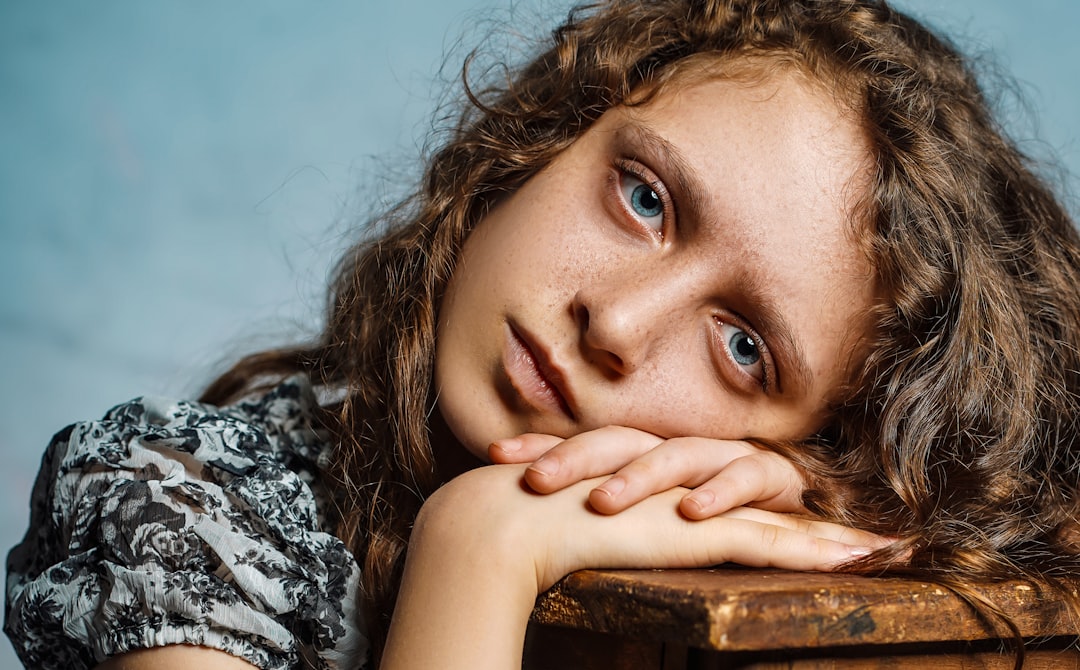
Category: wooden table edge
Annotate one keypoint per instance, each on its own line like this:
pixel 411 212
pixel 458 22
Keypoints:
pixel 738 609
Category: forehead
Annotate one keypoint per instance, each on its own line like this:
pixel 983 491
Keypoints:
pixel 771 149
pixel 779 134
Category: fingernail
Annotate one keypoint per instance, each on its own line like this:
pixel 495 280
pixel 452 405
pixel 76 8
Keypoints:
pixel 701 499
pixel 545 466
pixel 507 446
pixel 613 486
pixel 860 551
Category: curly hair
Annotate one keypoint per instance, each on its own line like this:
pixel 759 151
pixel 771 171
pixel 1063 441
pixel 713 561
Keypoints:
pixel 960 434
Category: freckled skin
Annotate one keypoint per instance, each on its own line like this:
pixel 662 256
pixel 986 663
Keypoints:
pixel 630 316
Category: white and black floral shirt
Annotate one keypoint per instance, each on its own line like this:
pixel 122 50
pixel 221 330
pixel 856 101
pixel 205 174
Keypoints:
pixel 174 522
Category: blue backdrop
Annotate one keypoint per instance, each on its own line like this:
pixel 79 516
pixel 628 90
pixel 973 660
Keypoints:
pixel 176 178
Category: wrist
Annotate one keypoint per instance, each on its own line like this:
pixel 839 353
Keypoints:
pixel 470 580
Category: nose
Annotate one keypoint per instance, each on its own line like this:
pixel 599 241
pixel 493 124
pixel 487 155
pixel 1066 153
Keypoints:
pixel 622 321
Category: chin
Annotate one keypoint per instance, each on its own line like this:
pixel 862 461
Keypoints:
pixel 470 436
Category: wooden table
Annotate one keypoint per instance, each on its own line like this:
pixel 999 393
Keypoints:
pixel 771 619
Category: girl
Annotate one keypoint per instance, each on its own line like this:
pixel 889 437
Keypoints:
pixel 683 225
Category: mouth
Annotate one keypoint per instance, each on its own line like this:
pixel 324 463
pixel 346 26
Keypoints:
pixel 537 379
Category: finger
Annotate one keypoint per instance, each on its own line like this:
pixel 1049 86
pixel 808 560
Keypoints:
pixel 761 479
pixel 825 530
pixel 524 448
pixel 653 534
pixel 590 454
pixel 767 545
pixel 677 462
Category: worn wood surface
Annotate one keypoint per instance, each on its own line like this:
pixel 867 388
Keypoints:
pixel 555 648
pixel 1036 660
pixel 753 610
pixel 1033 661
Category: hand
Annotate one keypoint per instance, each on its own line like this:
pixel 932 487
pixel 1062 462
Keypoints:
pixel 485 545
pixel 722 473
pixel 489 508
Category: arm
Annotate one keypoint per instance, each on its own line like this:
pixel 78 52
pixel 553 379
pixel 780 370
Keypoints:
pixel 175 657
pixel 469 581
pixel 484 547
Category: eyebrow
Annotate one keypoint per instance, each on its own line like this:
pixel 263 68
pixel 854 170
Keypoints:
pixel 769 318
pixel 691 192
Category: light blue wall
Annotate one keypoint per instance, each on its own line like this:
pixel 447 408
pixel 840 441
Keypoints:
pixel 1033 46
pixel 175 178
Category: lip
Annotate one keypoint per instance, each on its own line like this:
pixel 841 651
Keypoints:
pixel 537 379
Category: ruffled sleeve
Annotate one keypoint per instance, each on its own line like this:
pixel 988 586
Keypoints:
pixel 173 522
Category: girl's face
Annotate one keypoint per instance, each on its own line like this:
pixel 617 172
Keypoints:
pixel 687 267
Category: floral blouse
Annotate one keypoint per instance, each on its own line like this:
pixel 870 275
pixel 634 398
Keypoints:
pixel 176 522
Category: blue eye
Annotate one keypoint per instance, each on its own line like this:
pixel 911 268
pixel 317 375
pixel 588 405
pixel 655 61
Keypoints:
pixel 644 202
pixel 743 349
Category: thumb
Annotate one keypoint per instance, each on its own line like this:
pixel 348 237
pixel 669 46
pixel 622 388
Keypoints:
pixel 524 448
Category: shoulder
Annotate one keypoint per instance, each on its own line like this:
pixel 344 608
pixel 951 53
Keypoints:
pixel 176 522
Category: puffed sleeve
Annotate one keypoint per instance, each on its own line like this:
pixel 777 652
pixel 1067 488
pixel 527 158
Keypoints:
pixel 173 522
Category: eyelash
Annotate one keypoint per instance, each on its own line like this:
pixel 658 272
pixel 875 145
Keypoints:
pixel 636 171
pixel 768 369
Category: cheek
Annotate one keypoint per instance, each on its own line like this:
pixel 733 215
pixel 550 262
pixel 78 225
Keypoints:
pixel 675 395
pixel 681 397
